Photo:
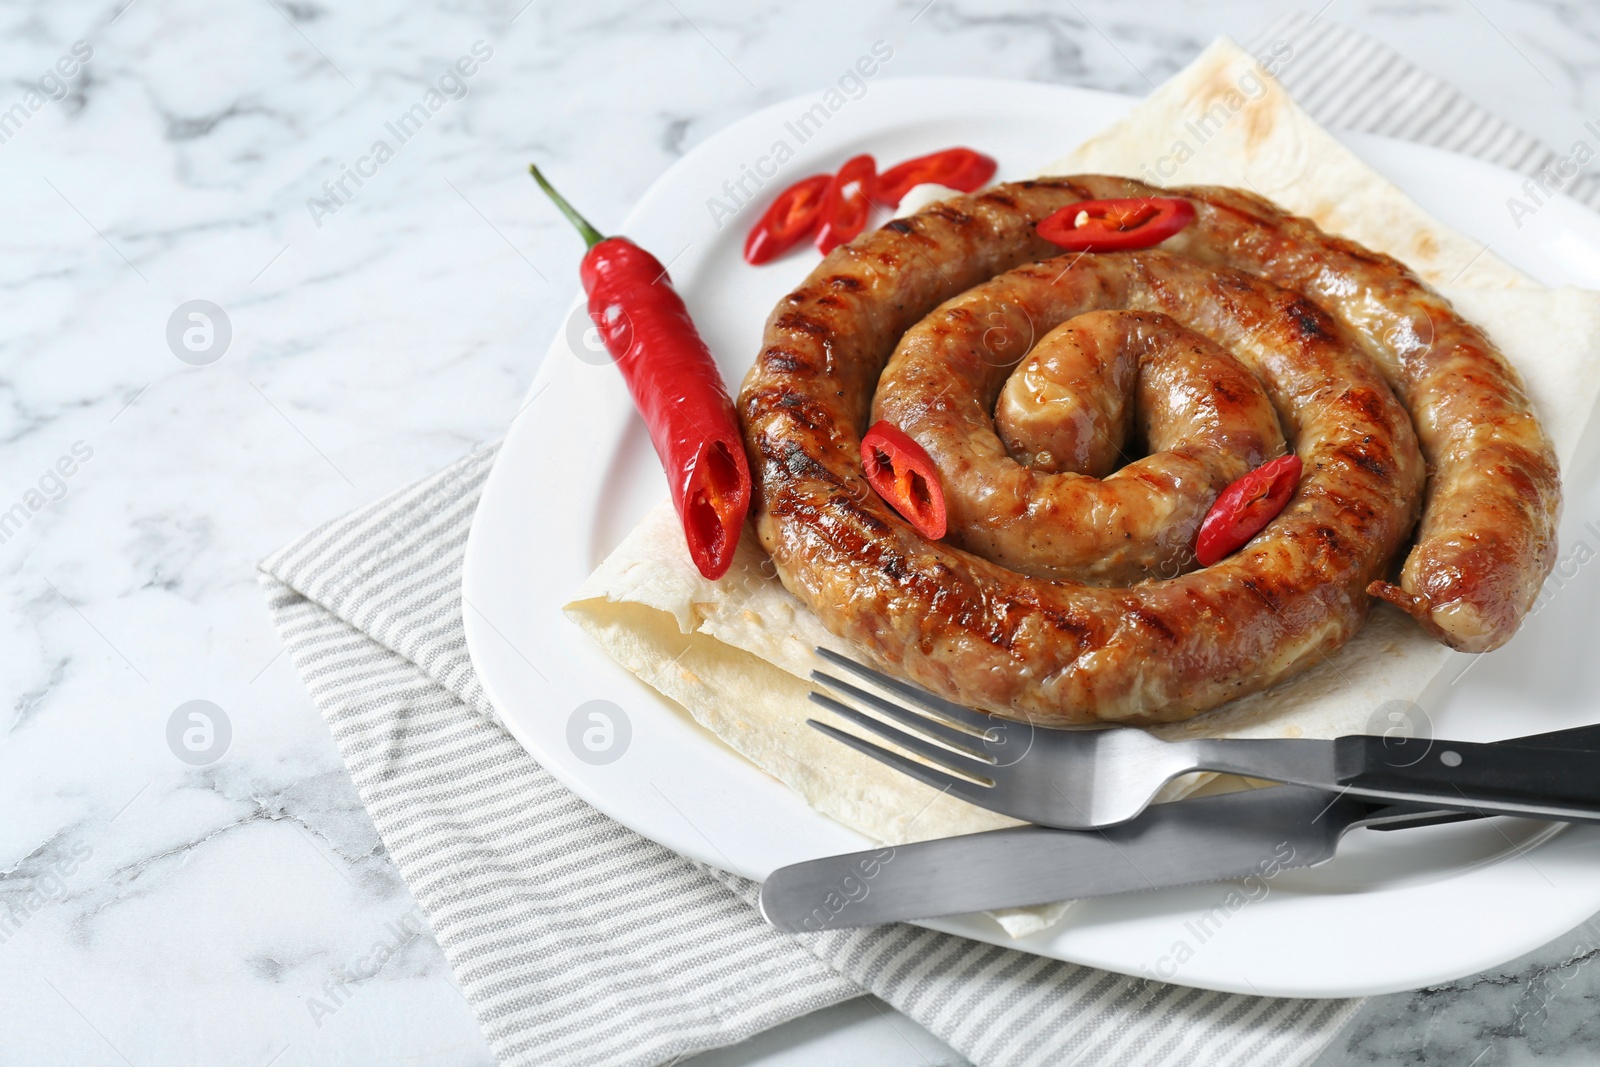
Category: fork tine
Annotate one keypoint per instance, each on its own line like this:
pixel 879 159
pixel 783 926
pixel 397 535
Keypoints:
pixel 921 723
pixel 929 751
pixel 913 694
pixel 920 771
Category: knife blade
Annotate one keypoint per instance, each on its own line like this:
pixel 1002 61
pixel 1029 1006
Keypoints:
pixel 1206 839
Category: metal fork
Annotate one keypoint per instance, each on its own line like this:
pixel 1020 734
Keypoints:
pixel 1082 779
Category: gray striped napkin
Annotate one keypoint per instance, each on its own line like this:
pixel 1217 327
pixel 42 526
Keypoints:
pixel 1347 80
pixel 579 942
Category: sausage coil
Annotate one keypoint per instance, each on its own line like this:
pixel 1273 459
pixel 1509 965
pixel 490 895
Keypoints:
pixel 1085 410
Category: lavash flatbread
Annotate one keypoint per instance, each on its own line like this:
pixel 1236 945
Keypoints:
pixel 735 653
pixel 1224 120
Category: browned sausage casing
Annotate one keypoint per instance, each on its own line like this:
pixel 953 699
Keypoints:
pixel 1060 652
pixel 1487 540
pixel 1205 418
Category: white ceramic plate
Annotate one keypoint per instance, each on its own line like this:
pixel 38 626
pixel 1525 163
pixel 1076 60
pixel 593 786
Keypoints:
pixel 1394 911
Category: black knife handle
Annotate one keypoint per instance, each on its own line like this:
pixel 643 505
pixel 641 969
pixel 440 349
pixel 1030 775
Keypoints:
pixel 1574 737
pixel 1458 774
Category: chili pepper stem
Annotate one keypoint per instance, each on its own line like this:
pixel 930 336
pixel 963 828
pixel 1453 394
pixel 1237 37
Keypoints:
pixel 591 236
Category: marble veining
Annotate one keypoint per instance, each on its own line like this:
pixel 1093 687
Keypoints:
pixel 158 908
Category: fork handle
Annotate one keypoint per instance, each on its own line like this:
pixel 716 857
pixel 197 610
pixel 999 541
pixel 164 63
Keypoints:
pixel 1502 778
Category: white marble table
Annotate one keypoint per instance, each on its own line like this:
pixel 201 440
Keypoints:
pixel 160 910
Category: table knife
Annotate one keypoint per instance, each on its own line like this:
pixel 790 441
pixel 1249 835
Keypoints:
pixel 1256 832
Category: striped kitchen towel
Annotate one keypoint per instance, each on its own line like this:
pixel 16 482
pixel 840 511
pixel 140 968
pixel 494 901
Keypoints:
pixel 1347 80
pixel 575 940
pixel 578 941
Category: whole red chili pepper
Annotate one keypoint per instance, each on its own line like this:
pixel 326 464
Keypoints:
pixel 904 475
pixel 847 204
pixel 954 168
pixel 1116 225
pixel 1244 508
pixel 791 219
pixel 675 385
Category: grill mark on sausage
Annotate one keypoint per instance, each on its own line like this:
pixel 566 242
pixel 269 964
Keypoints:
pixel 949 213
pixel 1368 403
pixel 801 323
pixel 800 408
pixel 782 361
pixel 791 458
pixel 1310 321
pixel 1329 537
pixel 1154 622
pixel 1363 457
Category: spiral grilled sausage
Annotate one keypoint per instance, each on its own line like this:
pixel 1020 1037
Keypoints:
pixel 1204 417
pixel 1061 652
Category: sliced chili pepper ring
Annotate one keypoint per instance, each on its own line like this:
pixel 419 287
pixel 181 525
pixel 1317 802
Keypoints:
pixel 1116 225
pixel 1245 507
pixel 847 204
pixel 954 168
pixel 788 220
pixel 903 474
